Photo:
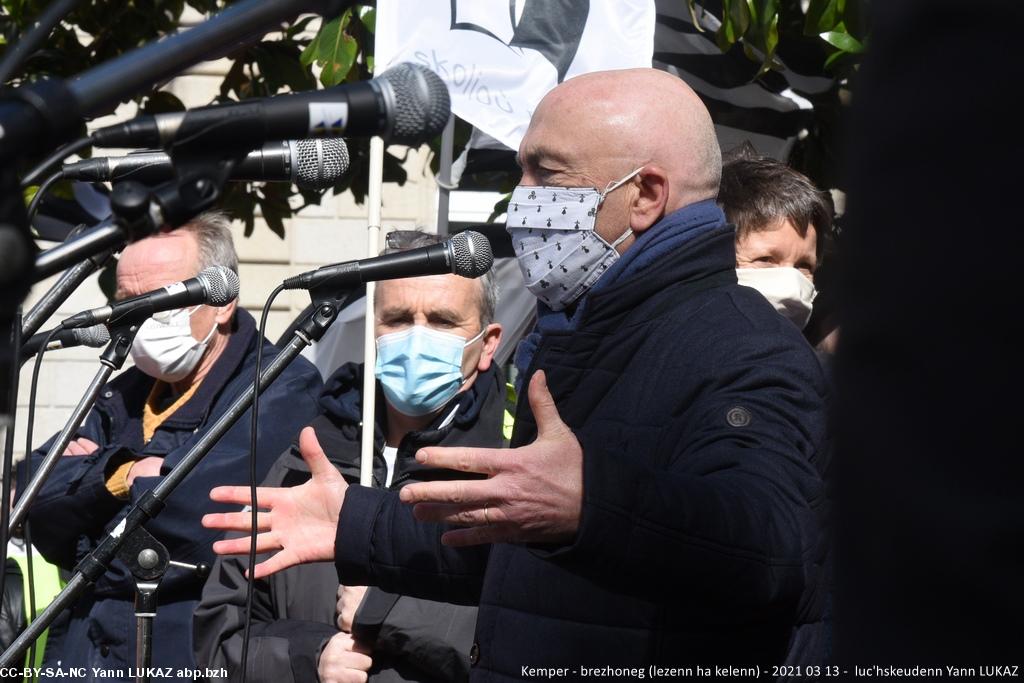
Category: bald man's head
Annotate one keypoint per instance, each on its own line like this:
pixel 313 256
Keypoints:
pixel 610 122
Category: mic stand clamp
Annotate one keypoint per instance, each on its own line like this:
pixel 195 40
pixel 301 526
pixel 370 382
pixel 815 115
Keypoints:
pixel 147 559
pixel 112 358
pixel 198 184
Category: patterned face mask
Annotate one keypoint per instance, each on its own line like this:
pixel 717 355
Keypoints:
pixel 559 252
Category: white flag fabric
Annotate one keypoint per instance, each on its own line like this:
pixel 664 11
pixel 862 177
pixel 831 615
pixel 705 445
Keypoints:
pixel 500 57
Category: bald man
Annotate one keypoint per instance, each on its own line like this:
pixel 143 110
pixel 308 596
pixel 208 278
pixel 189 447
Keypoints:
pixel 659 504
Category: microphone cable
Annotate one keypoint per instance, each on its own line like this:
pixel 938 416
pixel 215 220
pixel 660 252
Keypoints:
pixel 59 155
pixel 33 205
pixel 7 469
pixel 253 504
pixel 29 579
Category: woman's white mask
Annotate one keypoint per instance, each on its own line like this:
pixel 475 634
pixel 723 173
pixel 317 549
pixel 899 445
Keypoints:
pixel 787 289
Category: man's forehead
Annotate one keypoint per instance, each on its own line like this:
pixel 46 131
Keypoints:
pixel 432 293
pixel 168 257
pixel 172 246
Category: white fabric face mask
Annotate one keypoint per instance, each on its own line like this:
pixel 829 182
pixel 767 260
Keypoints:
pixel 787 289
pixel 558 250
pixel 164 347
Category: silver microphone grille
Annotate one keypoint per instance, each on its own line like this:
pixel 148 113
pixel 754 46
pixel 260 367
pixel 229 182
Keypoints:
pixel 221 285
pixel 472 255
pixel 421 102
pixel 319 162
pixel 95 336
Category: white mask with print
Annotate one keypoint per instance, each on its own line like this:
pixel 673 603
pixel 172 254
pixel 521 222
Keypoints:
pixel 164 347
pixel 787 289
pixel 558 250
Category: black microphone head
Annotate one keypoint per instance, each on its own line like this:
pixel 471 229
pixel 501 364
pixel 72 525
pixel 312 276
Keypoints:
pixel 421 104
pixel 95 336
pixel 221 285
pixel 318 162
pixel 471 254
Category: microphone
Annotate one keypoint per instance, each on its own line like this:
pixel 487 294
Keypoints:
pixel 467 254
pixel 407 104
pixel 95 337
pixel 311 164
pixel 215 286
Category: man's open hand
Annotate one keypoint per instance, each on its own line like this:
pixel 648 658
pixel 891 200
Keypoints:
pixel 531 494
pixel 300 522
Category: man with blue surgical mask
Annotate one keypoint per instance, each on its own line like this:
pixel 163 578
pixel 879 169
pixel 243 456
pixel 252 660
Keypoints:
pixel 189 366
pixel 437 386
pixel 659 506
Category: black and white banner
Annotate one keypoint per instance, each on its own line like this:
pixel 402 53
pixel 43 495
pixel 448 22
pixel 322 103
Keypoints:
pixel 500 57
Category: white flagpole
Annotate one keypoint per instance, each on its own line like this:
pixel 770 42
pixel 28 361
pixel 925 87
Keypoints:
pixel 444 175
pixel 373 200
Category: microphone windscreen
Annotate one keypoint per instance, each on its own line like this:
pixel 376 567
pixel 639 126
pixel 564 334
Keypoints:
pixel 422 103
pixel 221 285
pixel 471 254
pixel 319 162
pixel 95 336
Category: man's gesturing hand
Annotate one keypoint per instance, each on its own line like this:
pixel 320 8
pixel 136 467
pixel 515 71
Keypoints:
pixel 301 523
pixel 531 494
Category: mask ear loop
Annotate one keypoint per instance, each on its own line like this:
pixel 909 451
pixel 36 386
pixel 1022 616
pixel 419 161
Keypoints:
pixel 476 336
pixel 616 184
pixel 472 340
pixel 212 329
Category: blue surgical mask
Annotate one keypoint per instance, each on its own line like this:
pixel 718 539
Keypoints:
pixel 560 254
pixel 420 368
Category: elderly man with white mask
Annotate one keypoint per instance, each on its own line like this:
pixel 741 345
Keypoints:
pixel 190 365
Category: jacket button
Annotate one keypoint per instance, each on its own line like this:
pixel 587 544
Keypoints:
pixel 738 417
pixel 104 650
pixel 474 654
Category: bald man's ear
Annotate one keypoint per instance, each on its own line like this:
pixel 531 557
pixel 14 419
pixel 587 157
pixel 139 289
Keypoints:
pixel 649 206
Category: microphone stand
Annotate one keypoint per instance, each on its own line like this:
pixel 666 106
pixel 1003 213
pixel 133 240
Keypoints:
pixel 8 461
pixel 93 566
pixel 92 243
pixel 68 282
pixel 112 358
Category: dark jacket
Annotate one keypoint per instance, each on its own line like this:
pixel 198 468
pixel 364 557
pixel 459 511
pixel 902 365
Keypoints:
pixel 74 510
pixel 294 610
pixel 700 413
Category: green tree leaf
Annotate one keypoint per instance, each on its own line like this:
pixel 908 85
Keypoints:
pixel 822 16
pixel 844 41
pixel 369 19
